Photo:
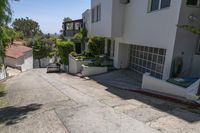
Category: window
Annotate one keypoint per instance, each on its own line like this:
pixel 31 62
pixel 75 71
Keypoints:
pixel 165 3
pixel 159 4
pixel 96 14
pixel 155 5
pixel 193 2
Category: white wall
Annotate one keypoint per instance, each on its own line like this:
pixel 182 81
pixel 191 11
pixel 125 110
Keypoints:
pixel 28 61
pixel 117 18
pixel 153 29
pixel 44 62
pixel 2 73
pixel 24 62
pixel 112 16
pixel 185 41
pixel 87 20
pixel 156 85
pixel 10 62
pixel 103 27
pixel 121 58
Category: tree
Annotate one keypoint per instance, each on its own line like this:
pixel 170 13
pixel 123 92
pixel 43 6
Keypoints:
pixel 64 49
pixel 28 27
pixel 41 50
pixel 5 18
pixel 5 12
pixel 82 37
pixel 96 45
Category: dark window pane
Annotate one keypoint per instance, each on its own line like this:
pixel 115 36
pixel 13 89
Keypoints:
pixel 154 5
pixel 165 3
pixel 192 2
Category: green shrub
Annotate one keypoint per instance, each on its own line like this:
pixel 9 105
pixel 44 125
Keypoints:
pixel 88 54
pixel 64 49
pixel 74 54
pixel 96 45
pixel 97 62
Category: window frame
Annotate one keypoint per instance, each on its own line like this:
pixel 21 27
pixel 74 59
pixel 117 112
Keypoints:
pixel 197 6
pixel 159 7
pixel 96 13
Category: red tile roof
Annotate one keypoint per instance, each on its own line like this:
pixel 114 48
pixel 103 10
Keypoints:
pixel 16 51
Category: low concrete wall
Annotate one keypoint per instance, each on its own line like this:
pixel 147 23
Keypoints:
pixel 2 73
pixel 44 62
pixel 151 83
pixel 89 71
pixel 75 65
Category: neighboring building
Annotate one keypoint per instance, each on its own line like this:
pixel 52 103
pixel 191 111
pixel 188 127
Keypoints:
pixel 19 56
pixel 70 29
pixel 142 34
pixel 87 21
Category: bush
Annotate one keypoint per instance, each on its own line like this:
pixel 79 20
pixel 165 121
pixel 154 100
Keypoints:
pixel 96 45
pixel 97 62
pixel 74 54
pixel 88 54
pixel 64 49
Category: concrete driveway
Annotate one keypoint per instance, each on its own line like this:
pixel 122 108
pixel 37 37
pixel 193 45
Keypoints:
pixel 60 103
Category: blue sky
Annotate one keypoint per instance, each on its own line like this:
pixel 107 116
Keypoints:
pixel 49 13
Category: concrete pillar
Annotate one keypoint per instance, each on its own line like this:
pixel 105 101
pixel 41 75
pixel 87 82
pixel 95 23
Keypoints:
pixel 106 46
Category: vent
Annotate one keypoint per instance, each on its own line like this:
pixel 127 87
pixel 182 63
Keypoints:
pixel 124 1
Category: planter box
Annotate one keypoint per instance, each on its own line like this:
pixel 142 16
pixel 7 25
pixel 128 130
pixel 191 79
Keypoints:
pixel 75 64
pixel 89 71
pixel 157 85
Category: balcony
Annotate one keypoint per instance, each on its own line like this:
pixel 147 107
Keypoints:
pixel 72 27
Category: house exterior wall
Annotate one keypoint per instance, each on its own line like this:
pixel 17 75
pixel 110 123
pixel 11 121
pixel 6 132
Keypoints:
pixel 24 62
pixel 87 20
pixel 103 27
pixel 156 29
pixel 152 29
pixel 10 62
pixel 186 42
pixel 28 61
pixel 112 16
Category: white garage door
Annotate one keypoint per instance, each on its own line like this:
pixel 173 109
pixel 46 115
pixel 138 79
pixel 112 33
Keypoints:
pixel 147 59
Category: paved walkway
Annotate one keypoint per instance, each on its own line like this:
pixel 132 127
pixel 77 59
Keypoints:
pixel 125 79
pixel 60 103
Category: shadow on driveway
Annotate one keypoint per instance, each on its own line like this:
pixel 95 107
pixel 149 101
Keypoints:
pixel 12 115
pixel 188 113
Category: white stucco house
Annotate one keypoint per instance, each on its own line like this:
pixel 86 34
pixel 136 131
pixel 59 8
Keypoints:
pixel 142 34
pixel 19 57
